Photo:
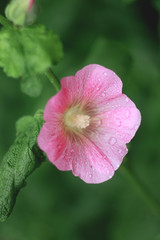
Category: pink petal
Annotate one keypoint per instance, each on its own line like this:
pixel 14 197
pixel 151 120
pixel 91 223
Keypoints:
pixel 121 118
pixel 52 141
pixel 73 86
pixel 113 148
pixel 92 83
pixel 90 164
pixel 103 84
pixel 118 126
pixel 56 105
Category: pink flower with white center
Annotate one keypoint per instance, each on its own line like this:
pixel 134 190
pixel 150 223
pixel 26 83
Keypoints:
pixel 88 123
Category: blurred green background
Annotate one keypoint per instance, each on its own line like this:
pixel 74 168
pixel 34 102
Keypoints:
pixel 121 35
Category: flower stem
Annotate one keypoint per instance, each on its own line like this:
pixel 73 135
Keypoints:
pixel 53 79
pixel 4 21
pixel 142 190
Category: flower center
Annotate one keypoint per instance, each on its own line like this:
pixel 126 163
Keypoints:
pixel 75 118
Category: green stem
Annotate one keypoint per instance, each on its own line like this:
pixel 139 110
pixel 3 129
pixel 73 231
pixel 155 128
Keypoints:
pixel 53 79
pixel 142 190
pixel 4 21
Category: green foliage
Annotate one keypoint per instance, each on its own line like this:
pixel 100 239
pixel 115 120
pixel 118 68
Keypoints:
pixel 26 52
pixel 11 53
pixel 67 208
pixel 32 86
pixel 41 49
pixel 19 162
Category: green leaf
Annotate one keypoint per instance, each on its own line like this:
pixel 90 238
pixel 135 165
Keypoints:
pixel 42 48
pixel 11 53
pixel 19 162
pixel 26 52
pixel 32 86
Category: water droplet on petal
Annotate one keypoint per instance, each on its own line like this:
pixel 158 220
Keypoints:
pixel 127 113
pixel 105 74
pixel 112 140
pixel 90 175
pixel 103 94
pixel 136 126
pixel 97 88
pixel 127 99
pixel 120 151
pixel 72 151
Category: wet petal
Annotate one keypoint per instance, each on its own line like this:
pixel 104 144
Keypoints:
pixel 74 86
pixel 55 106
pixel 113 148
pixel 52 141
pixel 122 118
pixel 103 84
pixel 90 164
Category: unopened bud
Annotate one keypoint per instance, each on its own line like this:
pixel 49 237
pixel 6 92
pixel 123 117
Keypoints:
pixel 21 12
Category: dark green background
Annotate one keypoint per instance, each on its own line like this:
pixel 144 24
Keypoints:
pixel 121 35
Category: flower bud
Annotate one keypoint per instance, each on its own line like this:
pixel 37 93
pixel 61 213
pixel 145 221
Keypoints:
pixel 21 12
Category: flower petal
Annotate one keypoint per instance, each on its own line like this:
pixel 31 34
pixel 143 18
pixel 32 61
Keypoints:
pixel 103 84
pixel 90 164
pixel 52 141
pixel 121 117
pixel 56 105
pixel 73 86
pixel 113 148
pixel 118 126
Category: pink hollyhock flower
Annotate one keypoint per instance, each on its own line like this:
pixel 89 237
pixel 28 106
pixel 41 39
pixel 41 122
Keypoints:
pixel 88 123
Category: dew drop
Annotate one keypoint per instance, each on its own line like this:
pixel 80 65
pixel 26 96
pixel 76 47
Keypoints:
pixel 127 99
pixel 136 126
pixel 103 94
pixel 72 151
pixel 112 140
pixel 120 151
pixel 105 74
pixel 127 113
pixel 97 88
pixel 90 175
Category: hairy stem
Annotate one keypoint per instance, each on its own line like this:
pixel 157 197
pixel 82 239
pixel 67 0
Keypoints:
pixel 53 79
pixel 142 190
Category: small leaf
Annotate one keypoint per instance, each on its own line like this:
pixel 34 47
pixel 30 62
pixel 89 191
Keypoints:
pixel 19 162
pixel 32 86
pixel 27 52
pixel 11 54
pixel 42 48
